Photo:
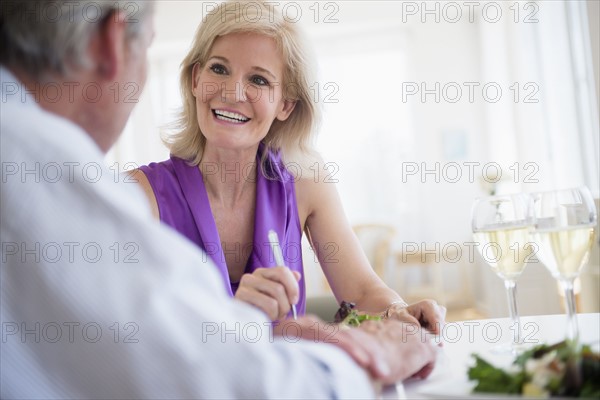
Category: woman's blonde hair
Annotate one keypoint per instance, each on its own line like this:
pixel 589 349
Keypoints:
pixel 290 136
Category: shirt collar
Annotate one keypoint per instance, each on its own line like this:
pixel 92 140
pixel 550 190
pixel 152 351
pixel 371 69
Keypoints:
pixel 13 90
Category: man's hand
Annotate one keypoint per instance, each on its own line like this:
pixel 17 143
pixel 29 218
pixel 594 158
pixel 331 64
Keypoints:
pixel 389 350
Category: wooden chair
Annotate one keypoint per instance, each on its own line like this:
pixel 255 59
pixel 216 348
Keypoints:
pixel 431 268
pixel 376 241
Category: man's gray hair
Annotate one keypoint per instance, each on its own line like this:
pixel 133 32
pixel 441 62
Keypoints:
pixel 41 36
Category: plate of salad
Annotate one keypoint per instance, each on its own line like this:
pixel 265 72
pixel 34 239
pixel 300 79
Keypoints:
pixel 564 370
pixel 561 370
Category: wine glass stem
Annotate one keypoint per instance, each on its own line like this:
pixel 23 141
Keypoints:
pixel 511 293
pixel 572 327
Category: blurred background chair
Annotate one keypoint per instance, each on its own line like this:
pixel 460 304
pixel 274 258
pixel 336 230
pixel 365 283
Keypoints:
pixel 376 241
pixel 428 272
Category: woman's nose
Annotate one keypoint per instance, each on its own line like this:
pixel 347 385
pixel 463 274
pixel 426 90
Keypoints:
pixel 233 91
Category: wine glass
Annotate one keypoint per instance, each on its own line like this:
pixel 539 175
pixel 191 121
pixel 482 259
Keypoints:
pixel 501 227
pixel 564 231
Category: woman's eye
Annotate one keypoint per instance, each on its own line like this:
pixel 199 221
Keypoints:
pixel 218 69
pixel 259 80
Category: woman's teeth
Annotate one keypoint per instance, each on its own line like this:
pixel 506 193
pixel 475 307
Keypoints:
pixel 230 116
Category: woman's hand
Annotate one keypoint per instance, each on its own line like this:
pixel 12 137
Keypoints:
pixel 273 290
pixel 389 350
pixel 426 313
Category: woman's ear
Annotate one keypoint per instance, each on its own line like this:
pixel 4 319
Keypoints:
pixel 195 78
pixel 288 107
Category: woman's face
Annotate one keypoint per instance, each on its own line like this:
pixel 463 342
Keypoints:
pixel 239 90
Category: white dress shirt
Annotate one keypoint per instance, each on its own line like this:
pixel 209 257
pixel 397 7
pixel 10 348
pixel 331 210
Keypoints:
pixel 98 300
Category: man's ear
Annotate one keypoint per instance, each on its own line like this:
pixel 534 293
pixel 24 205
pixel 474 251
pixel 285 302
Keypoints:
pixel 109 50
pixel 288 107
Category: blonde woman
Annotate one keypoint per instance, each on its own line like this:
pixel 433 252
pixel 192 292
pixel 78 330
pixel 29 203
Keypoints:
pixel 234 171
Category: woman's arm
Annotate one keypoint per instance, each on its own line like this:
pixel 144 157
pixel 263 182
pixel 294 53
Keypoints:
pixel 345 264
pixel 142 180
pixel 339 252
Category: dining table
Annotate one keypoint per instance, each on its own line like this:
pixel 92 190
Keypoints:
pixel 460 340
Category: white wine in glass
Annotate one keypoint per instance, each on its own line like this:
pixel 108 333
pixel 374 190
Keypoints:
pixel 505 250
pixel 564 231
pixel 501 227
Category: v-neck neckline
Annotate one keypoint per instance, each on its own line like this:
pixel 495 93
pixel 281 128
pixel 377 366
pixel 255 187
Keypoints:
pixel 270 212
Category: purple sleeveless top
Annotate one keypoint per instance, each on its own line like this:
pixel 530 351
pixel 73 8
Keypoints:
pixel 183 204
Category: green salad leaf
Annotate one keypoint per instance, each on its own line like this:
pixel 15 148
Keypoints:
pixel 349 316
pixel 494 380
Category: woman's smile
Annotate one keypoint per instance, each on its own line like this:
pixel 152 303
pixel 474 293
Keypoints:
pixel 230 116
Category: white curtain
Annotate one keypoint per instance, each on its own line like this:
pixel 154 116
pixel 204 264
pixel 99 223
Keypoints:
pixel 551 124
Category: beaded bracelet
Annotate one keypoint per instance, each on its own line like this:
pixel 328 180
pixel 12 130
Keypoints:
pixel 386 313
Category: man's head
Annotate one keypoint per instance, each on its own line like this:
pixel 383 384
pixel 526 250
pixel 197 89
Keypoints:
pixel 85 60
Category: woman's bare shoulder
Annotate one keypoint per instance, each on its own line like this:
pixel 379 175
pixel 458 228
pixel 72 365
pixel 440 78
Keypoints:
pixel 137 175
pixel 306 170
pixel 314 187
